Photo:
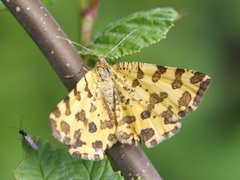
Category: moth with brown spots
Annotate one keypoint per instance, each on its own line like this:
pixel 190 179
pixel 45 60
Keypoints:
pixel 125 102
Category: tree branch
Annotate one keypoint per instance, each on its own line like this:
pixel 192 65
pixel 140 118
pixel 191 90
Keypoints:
pixel 44 30
pixel 63 57
pixel 132 161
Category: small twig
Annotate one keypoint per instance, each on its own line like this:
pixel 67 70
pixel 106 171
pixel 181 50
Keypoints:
pixel 63 57
pixel 88 16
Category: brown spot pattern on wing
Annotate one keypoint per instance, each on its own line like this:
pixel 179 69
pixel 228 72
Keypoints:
pixel 127 101
pixel 185 112
pixel 179 72
pixel 124 136
pixel 92 128
pixel 77 134
pixel 127 119
pixel 92 108
pixel 155 98
pixel 197 77
pixel 177 83
pixel 203 87
pixel 171 133
pixel 78 143
pixel 135 83
pixel 157 74
pixel 77 94
pixel 97 146
pixel 87 89
pixel 153 142
pixel 107 124
pixel 145 114
pixel 150 107
pixel 140 73
pixel 163 95
pixel 66 101
pixel 146 134
pixel 168 116
pixel 81 116
pixel 122 99
pixel 89 94
pixel 56 112
pixel 65 127
pixel 185 99
pixel 161 69
pixel 112 137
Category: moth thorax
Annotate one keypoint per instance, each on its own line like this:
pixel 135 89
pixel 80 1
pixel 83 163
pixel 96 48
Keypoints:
pixel 107 89
pixel 105 73
pixel 108 95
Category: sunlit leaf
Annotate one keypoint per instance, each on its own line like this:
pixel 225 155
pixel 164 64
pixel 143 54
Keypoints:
pixel 132 33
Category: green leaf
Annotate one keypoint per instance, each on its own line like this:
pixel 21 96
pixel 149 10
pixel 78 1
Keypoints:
pixel 53 163
pixel 137 31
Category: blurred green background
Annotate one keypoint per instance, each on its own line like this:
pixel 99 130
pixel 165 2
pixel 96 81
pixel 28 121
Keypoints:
pixel 206 39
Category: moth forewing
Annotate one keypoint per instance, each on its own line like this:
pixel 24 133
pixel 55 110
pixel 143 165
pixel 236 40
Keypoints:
pixel 156 98
pixel 82 120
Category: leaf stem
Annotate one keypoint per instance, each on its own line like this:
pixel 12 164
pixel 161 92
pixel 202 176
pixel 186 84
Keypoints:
pixel 88 16
pixel 63 57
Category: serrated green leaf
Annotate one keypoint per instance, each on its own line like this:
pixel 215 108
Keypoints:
pixel 141 29
pixel 53 163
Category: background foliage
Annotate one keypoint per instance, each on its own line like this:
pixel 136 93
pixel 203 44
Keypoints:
pixel 207 39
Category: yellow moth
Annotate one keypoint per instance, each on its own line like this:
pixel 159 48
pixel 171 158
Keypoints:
pixel 125 102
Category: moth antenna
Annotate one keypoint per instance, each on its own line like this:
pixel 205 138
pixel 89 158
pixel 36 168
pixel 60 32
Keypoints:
pixel 120 42
pixel 13 127
pixel 20 127
pixel 77 44
pixel 21 121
